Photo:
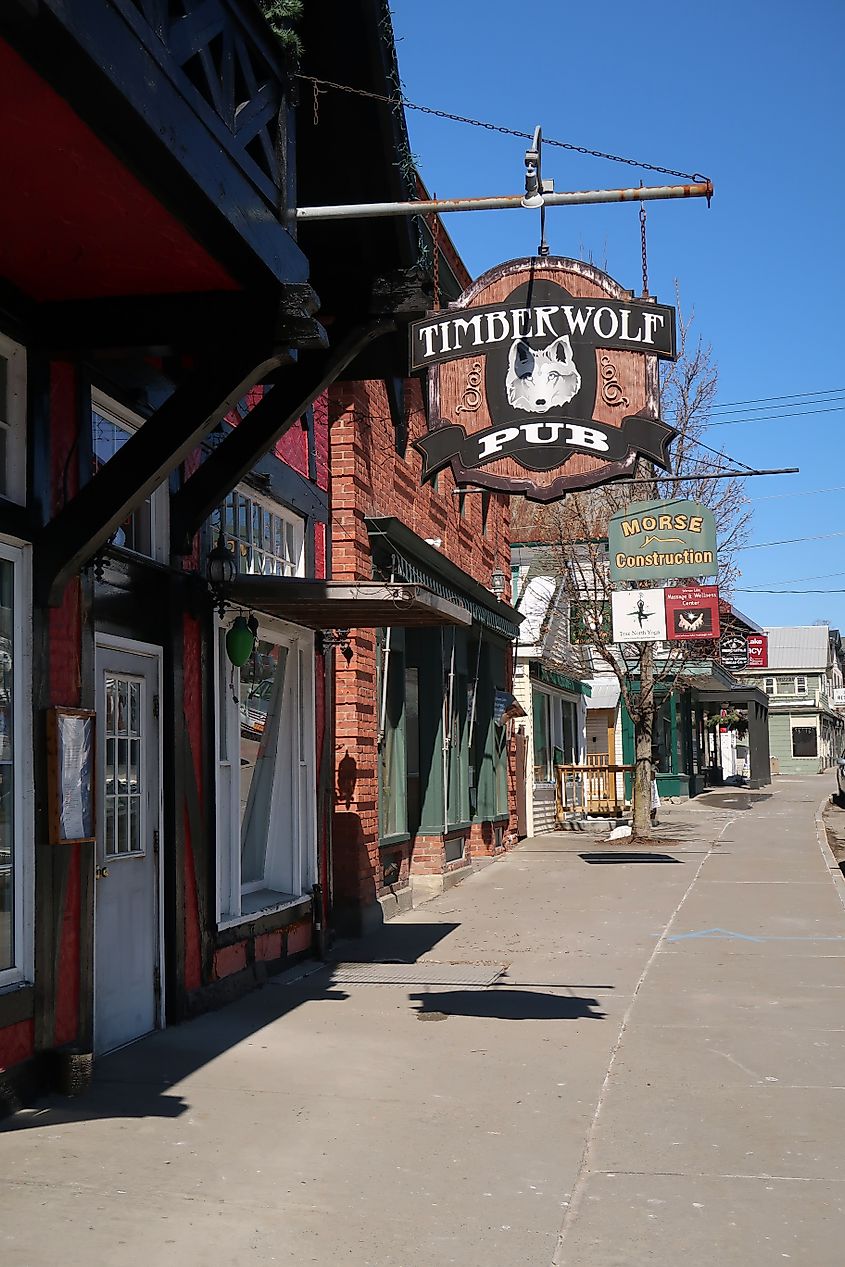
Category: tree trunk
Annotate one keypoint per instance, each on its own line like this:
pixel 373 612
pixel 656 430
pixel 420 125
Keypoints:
pixel 643 730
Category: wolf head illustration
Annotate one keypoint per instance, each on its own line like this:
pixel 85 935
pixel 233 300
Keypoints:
pixel 540 379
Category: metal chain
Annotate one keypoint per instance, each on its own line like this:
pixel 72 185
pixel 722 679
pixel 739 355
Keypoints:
pixel 435 234
pixel 497 127
pixel 645 250
pixel 316 103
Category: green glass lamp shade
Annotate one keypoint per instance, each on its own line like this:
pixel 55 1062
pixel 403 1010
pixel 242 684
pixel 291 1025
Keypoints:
pixel 240 641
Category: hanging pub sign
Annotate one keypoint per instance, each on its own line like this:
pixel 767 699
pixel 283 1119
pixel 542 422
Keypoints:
pixel 692 613
pixel 662 540
pixel 543 379
pixel 733 652
pixel 638 615
pixel 758 651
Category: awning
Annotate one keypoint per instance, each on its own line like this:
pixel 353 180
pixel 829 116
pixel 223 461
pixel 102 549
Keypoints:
pixel 562 681
pixel 400 552
pixel 345 604
pixel 605 693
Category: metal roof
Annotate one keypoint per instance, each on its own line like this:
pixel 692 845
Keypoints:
pixel 799 647
pixel 605 693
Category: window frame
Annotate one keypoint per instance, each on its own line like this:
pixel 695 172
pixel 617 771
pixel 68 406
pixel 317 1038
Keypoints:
pixel 228 829
pixel 14 425
pixel 285 514
pixel 801 690
pixel 128 421
pixel 23 855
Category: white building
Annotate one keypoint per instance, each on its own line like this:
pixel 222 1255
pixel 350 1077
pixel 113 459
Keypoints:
pixel 549 685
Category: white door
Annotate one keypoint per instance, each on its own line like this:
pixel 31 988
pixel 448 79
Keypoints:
pixel 126 916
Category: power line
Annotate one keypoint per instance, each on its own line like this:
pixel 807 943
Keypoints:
pixel 789 580
pixel 740 590
pixel 739 405
pixel 789 541
pixel 743 422
pixel 320 85
pixel 803 492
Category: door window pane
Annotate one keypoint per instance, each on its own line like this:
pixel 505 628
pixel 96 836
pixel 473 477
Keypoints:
pixel 542 753
pixel 7 788
pixel 123 773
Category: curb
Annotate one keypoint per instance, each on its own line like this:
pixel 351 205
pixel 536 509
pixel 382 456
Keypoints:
pixel 827 853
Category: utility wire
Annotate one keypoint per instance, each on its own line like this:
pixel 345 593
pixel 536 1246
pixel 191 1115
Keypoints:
pixel 739 590
pixel 738 405
pixel 803 492
pixel 743 422
pixel 789 541
pixel 321 85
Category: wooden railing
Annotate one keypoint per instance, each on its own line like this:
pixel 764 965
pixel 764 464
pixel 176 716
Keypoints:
pixel 596 787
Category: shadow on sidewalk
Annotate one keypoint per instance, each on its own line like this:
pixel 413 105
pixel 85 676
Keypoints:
pixel 136 1082
pixel 506 1005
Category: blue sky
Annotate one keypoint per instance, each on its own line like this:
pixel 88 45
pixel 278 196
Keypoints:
pixel 748 93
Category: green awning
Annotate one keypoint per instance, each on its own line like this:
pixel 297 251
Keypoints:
pixel 560 680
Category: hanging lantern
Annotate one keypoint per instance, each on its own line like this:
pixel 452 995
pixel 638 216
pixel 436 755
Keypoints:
pixel 240 641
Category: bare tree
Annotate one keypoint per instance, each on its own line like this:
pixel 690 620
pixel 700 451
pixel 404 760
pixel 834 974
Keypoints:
pixel 576 530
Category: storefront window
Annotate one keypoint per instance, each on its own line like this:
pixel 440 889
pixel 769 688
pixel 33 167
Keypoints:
pixel 7 782
pixel 12 420
pixel 805 741
pixel 393 769
pixel 661 745
pixel 265 801
pixel 570 733
pixel 542 737
pixel 15 772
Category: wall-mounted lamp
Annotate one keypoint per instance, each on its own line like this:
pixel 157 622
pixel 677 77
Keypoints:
pixel 497 582
pixel 328 638
pixel 220 571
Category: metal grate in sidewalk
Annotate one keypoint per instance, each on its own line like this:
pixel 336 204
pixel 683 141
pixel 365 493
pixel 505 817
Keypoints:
pixel 466 974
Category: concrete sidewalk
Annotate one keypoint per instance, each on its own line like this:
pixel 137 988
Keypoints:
pixel 656 1072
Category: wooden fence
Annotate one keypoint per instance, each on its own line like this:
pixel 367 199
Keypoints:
pixel 596 787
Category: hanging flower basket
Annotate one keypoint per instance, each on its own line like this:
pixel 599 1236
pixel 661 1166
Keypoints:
pixel 730 720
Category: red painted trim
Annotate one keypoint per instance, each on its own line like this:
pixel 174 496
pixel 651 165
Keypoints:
pixel 17 1043
pixel 67 990
pixel 192 702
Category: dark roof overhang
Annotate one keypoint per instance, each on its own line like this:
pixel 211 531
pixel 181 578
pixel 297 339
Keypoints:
pixel 345 604
pixel 398 550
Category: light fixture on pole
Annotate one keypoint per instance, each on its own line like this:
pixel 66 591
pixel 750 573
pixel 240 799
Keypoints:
pixel 497 582
pixel 220 571
pixel 535 186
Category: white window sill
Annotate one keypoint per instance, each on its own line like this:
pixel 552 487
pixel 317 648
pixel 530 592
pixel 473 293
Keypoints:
pixel 260 903
pixel 13 979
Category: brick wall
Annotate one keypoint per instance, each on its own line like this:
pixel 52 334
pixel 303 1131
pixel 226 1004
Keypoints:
pixel 369 478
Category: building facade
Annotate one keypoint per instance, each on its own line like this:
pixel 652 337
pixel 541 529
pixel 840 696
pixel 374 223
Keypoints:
pixel 804 671
pixel 549 687
pixel 166 783
pixel 423 763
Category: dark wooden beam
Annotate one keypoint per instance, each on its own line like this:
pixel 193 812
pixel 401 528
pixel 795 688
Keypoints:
pixel 171 323
pixel 279 410
pixel 91 54
pixel 89 519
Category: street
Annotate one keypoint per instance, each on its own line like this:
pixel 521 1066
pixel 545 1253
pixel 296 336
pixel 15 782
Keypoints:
pixel 584 1055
